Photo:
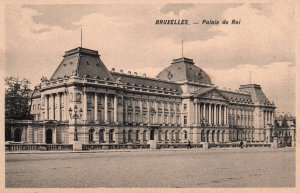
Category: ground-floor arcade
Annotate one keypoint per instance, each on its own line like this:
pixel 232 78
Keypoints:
pixel 60 133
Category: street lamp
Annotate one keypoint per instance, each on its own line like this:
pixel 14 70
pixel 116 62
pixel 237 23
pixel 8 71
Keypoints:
pixel 75 116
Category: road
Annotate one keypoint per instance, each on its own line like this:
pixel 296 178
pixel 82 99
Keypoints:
pixel 149 169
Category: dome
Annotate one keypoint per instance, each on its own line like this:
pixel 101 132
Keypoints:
pixel 182 69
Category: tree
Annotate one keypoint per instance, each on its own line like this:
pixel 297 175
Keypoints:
pixel 17 98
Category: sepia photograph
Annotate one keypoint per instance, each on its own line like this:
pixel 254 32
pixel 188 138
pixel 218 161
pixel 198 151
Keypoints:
pixel 170 95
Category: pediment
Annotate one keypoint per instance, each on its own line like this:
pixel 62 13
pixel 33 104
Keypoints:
pixel 212 94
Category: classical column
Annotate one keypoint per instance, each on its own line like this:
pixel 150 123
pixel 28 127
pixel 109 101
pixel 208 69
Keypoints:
pixel 66 115
pixel 204 111
pixel 46 107
pixel 141 111
pixel 148 112
pixel 96 107
pixel 105 108
pixel 59 107
pixel 115 109
pixel 209 113
pixel 53 106
pixel 196 112
pixel 133 111
pixel 226 115
pixel 50 115
pixel 84 116
pixel 199 112
pixel 220 114
pixel 215 114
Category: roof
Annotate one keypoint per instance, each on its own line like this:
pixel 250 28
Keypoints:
pixel 84 62
pixel 182 69
pixel 236 96
pixel 145 81
pixel 256 93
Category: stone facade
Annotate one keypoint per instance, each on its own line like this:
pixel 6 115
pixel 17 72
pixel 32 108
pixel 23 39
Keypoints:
pixel 180 104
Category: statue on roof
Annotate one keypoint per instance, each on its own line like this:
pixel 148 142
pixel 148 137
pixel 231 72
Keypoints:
pixel 44 79
pixel 74 72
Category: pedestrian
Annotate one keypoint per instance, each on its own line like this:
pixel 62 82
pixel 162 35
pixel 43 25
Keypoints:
pixel 189 144
pixel 241 144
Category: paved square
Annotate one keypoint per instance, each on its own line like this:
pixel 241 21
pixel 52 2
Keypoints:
pixel 146 168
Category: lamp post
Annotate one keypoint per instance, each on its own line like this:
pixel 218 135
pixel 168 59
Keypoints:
pixel 75 116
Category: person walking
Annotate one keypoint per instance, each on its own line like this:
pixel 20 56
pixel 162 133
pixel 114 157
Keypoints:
pixel 241 144
pixel 189 144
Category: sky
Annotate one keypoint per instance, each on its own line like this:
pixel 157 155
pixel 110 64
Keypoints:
pixel 126 36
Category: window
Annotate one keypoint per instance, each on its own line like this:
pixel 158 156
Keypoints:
pixel 137 135
pixel 33 107
pixel 166 119
pixel 202 136
pixel 184 106
pixel 184 119
pixel 166 135
pixel 177 135
pixel 101 136
pixel 177 119
pixel 129 136
pixel 39 106
pixel 129 118
pixel 172 119
pixel 185 134
pixel 137 118
pixel 152 119
pixel 144 104
pixel 129 102
pixel 124 136
pixel 144 118
pixel 111 136
pixel 91 135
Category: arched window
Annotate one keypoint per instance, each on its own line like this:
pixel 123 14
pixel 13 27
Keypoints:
pixel 223 136
pixel 111 136
pixel 129 136
pixel 218 135
pixel 101 135
pixel 124 136
pixel 172 135
pixel 207 136
pixel 213 136
pixel 230 136
pixel 185 134
pixel 202 136
pixel 91 135
pixel 166 135
pixel 137 135
pixel 177 136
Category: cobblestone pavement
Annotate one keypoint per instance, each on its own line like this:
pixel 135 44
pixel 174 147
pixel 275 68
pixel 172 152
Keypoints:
pixel 149 169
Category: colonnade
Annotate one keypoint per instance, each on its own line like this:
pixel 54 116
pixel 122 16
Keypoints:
pixel 268 118
pixel 241 117
pixel 163 114
pixel 56 107
pixel 211 113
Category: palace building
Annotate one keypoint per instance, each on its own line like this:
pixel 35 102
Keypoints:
pixel 84 101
